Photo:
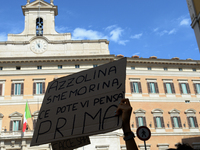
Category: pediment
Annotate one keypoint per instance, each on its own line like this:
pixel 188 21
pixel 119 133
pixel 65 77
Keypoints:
pixel 36 3
pixel 157 110
pixel 36 113
pixel 44 5
pixel 190 111
pixel 139 111
pixel 174 111
pixel 16 114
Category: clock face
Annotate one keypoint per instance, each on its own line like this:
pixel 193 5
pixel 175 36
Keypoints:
pixel 39 46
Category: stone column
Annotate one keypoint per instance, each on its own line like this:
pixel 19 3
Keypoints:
pixel 24 145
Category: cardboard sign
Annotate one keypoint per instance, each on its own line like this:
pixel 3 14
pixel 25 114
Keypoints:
pixel 82 104
pixel 70 144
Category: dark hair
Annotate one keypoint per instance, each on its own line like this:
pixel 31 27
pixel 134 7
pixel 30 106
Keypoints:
pixel 183 146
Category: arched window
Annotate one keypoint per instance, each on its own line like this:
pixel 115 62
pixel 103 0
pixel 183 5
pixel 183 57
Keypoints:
pixel 39 27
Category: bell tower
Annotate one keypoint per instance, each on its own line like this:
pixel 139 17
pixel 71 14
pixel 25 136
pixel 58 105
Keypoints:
pixel 39 21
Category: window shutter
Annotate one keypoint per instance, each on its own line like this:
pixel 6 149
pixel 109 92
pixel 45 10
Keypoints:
pixel 172 86
pixel 172 122
pixel 189 124
pixel 43 87
pixel 20 125
pixel 180 88
pixel 140 87
pixel 162 121
pixel 34 88
pixel 1 85
pixel 188 88
pixel 179 122
pixel 144 121
pixel 164 84
pixel 195 122
pixel 156 86
pixel 148 87
pixel 11 125
pixel 12 88
pixel 22 88
pixel 195 88
pixel 154 119
pixel 131 87
pixel 137 123
pixel 34 123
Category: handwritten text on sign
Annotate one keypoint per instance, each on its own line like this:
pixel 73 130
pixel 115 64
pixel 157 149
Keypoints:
pixel 82 104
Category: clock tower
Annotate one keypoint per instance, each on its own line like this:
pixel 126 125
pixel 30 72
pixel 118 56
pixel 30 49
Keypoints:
pixel 39 38
pixel 39 15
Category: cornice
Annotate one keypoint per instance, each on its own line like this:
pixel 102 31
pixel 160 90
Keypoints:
pixel 163 61
pixel 57 59
pixel 55 42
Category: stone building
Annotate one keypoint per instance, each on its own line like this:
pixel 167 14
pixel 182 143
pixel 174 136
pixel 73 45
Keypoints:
pixel 164 93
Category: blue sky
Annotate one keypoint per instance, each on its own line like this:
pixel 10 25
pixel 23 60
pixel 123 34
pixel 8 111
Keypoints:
pixel 134 27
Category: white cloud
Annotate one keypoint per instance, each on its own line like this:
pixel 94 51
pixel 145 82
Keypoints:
pixel 123 42
pixel 115 34
pixel 136 53
pixel 111 27
pixel 3 37
pixel 137 36
pixel 80 34
pixel 163 32
pixel 61 29
pixel 172 31
pixel 156 29
pixel 185 22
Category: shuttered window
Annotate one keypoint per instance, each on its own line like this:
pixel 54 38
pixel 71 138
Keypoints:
pixel 197 88
pixel 15 125
pixel 159 122
pixel 176 122
pixel 1 89
pixel 136 87
pixel 38 87
pixel 192 122
pixel 184 88
pixel 169 88
pixel 140 121
pixel 17 89
pixel 152 87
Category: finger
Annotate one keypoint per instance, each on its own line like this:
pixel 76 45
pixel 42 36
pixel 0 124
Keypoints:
pixel 125 101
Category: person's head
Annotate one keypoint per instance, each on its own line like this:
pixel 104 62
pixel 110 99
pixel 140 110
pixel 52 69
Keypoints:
pixel 182 147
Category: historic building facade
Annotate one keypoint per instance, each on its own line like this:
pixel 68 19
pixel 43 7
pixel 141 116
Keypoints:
pixel 164 93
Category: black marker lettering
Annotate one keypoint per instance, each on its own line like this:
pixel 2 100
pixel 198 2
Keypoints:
pixel 70 82
pixel 47 122
pixel 58 128
pixel 62 85
pixel 113 68
pixel 53 85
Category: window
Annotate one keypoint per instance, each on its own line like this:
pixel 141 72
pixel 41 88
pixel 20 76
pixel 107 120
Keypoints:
pixel 39 27
pixel 39 67
pixel 180 69
pixel 95 66
pixel 132 68
pixel 194 69
pixel 17 89
pixel 38 87
pixel 18 68
pixel 152 87
pixel 184 88
pixel 197 88
pixel 192 122
pixel 158 118
pixel 77 66
pixel 136 87
pixel 1 68
pixel 15 121
pixel 148 68
pixel 1 117
pixel 59 66
pixel 169 87
pixel 140 117
pixel 175 118
pixel 191 118
pixel 165 69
